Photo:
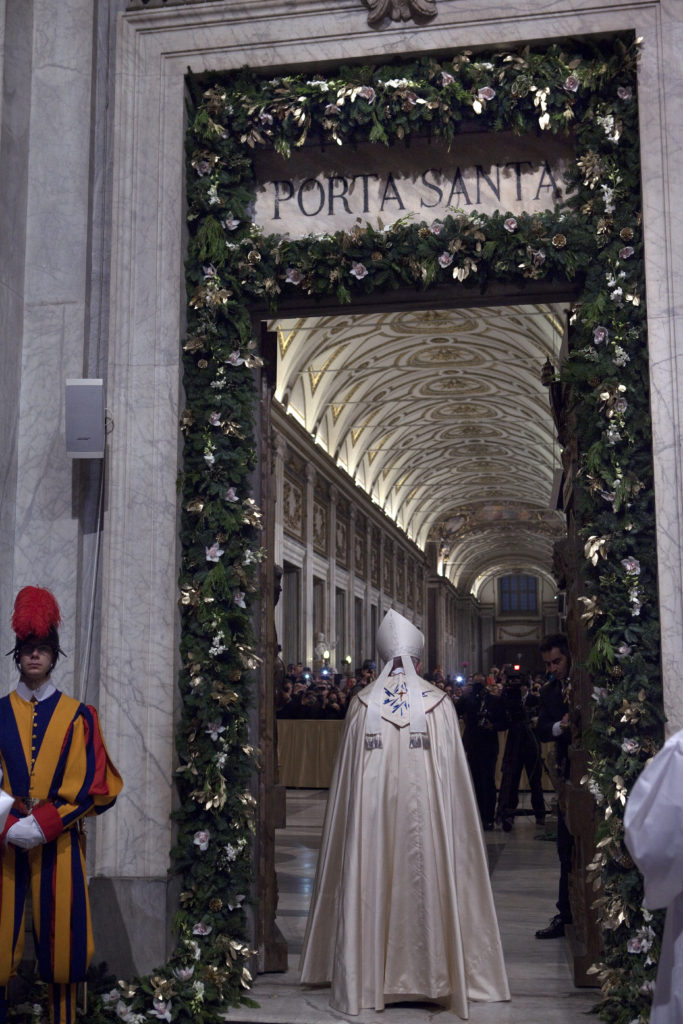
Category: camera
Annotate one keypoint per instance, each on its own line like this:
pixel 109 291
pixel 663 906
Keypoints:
pixel 514 675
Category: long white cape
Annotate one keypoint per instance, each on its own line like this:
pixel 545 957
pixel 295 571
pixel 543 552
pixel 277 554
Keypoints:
pixel 653 822
pixel 402 906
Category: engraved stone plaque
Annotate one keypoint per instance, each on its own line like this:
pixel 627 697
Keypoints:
pixel 322 191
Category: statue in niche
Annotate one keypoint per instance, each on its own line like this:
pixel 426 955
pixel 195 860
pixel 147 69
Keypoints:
pixel 400 10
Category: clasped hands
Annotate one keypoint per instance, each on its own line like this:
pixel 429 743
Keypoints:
pixel 25 833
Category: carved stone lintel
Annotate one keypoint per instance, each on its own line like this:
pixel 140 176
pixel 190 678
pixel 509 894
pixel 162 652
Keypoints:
pixel 400 10
pixel 397 10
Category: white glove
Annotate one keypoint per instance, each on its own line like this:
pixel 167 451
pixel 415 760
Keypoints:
pixel 6 804
pixel 26 833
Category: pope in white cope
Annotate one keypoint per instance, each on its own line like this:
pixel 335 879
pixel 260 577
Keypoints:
pixel 653 822
pixel 402 906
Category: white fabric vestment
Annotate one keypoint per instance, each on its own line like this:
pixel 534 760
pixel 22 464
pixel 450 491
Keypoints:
pixel 653 823
pixel 402 906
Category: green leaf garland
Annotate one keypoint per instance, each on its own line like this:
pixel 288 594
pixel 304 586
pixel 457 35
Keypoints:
pixel 595 236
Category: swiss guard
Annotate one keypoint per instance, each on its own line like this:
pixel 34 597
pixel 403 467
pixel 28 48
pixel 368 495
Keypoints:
pixel 55 771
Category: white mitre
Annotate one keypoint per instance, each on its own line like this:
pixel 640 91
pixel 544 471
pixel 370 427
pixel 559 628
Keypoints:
pixel 397 635
pixel 401 699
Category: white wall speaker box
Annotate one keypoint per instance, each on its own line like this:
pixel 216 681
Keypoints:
pixel 85 418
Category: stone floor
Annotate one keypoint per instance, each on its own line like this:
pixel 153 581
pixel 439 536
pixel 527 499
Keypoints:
pixel 524 877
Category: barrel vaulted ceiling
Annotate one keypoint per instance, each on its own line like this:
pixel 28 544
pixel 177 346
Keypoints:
pixel 441 417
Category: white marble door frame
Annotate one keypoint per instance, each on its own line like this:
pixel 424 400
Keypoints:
pixel 140 553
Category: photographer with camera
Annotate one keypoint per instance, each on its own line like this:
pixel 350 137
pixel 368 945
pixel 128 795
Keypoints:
pixel 522 749
pixel 484 717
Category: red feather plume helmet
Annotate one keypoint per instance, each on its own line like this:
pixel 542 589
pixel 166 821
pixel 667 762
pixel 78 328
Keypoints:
pixel 35 619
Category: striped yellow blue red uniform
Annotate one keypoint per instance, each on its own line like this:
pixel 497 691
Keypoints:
pixel 53 753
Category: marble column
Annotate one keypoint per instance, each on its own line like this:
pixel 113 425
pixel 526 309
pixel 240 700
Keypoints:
pixel 372 594
pixel 331 631
pixel 279 454
pixel 350 593
pixel 382 604
pixel 307 603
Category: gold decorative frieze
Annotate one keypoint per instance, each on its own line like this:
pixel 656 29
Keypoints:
pixel 388 569
pixel 360 551
pixel 374 563
pixel 316 373
pixel 320 528
pixel 293 509
pixel 295 465
pixel 400 575
pixel 342 542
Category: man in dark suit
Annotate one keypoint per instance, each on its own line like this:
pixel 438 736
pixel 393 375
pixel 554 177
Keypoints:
pixel 522 749
pixel 484 716
pixel 554 724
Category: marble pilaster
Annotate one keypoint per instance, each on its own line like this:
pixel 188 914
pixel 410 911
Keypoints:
pixel 332 574
pixel 45 152
pixel 661 149
pixel 365 644
pixel 278 539
pixel 351 591
pixel 308 638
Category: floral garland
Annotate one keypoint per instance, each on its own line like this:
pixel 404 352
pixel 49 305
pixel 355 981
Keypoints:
pixel 588 90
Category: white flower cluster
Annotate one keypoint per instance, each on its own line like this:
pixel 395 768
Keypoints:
pixel 610 126
pixel 217 645
pixel 642 941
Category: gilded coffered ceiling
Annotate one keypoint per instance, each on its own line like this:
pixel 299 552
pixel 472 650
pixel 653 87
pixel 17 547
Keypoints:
pixel 441 417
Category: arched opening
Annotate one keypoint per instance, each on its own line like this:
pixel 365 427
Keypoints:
pixel 508 257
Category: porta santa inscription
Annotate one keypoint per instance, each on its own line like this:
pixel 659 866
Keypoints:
pixel 322 191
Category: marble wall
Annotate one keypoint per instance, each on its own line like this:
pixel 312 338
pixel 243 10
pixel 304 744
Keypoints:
pixel 44 282
pixel 91 283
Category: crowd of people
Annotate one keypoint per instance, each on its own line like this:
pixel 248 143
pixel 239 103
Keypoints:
pixel 322 694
